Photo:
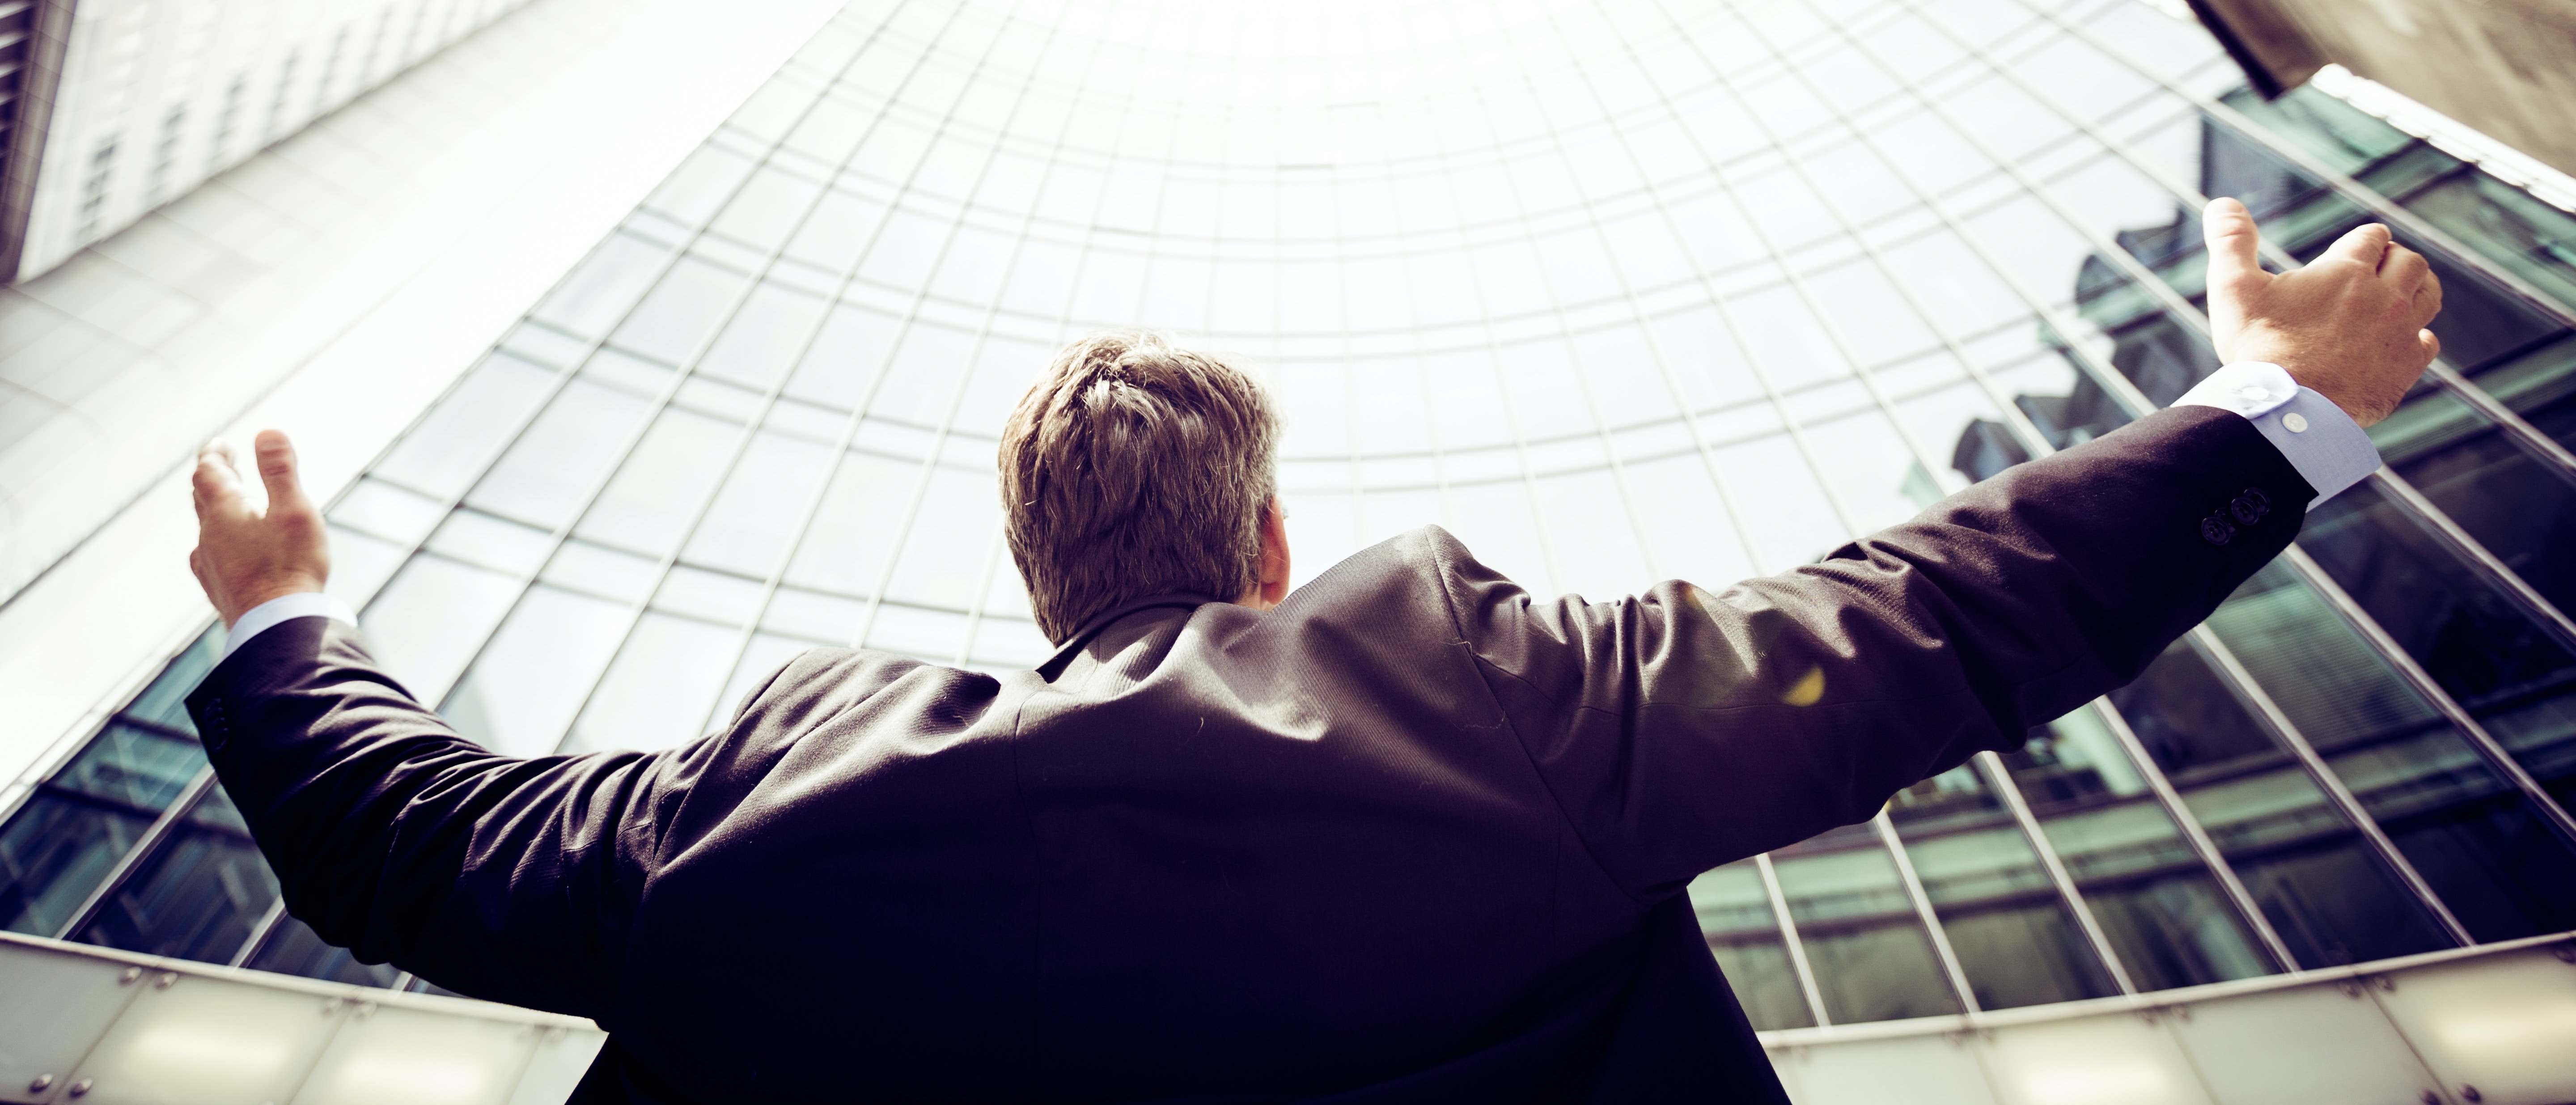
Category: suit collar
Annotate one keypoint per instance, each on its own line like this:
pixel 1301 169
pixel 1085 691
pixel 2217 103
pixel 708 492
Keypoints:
pixel 1072 646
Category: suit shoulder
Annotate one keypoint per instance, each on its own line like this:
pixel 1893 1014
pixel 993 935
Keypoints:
pixel 822 680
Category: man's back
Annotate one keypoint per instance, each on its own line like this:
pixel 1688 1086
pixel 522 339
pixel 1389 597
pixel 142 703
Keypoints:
pixel 1203 851
pixel 1412 836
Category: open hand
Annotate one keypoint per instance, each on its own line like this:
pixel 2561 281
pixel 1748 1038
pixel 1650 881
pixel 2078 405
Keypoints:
pixel 244 557
pixel 2349 325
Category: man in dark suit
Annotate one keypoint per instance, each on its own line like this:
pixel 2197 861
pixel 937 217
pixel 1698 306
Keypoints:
pixel 1406 834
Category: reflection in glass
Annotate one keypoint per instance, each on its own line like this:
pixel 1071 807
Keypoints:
pixel 2466 831
pixel 2307 867
pixel 292 948
pixel 2011 930
pixel 2162 910
pixel 1735 916
pixel 197 895
pixel 1863 939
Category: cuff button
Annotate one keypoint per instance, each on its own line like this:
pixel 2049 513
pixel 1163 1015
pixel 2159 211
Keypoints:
pixel 2216 530
pixel 2294 422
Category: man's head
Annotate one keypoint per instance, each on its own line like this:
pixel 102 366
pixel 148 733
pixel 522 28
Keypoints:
pixel 1132 469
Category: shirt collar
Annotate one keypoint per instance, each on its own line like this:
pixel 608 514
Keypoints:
pixel 1072 646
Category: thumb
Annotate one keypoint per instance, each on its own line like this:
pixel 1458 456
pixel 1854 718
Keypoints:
pixel 2234 262
pixel 277 469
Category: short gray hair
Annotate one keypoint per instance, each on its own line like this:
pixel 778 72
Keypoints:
pixel 1134 468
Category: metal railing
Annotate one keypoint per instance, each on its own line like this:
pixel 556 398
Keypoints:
pixel 80 1024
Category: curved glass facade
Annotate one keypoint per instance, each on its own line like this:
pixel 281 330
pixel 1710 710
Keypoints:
pixel 1614 292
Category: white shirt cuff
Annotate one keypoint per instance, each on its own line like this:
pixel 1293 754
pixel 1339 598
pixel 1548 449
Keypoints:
pixel 2329 449
pixel 284 608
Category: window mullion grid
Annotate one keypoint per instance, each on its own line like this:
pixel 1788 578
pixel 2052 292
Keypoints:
pixel 2003 782
pixel 1789 941
pixel 2183 313
pixel 814 501
pixel 966 372
pixel 1627 292
pixel 2484 743
pixel 126 865
pixel 2425 513
pixel 1341 258
pixel 2000 779
pixel 2195 835
pixel 2117 384
pixel 1494 355
pixel 2005 787
pixel 563 378
pixel 2539 446
pixel 2233 672
pixel 839 453
pixel 921 483
pixel 1933 930
pixel 2437 523
pixel 1418 348
pixel 685 369
pixel 2361 195
pixel 1914 892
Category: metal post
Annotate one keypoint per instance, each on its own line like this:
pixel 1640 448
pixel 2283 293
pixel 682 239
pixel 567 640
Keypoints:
pixel 1789 939
pixel 2001 780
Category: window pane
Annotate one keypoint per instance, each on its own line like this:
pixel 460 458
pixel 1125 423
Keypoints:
pixel 755 514
pixel 1735 917
pixel 2315 879
pixel 292 948
pixel 165 701
pixel 452 443
pixel 1860 931
pixel 132 768
pixel 2165 916
pixel 597 294
pixel 648 505
pixel 533 677
pixel 2467 833
pixel 2012 933
pixel 764 338
pixel 660 688
pixel 196 896
pixel 847 544
pixel 426 625
pixel 683 309
pixel 542 479
pixel 54 852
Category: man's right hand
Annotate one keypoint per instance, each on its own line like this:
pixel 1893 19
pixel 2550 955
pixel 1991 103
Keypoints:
pixel 245 557
pixel 2349 325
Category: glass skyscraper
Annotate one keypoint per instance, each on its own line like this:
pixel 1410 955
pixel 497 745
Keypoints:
pixel 1615 292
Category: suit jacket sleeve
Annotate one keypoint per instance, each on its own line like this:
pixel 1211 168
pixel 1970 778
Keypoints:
pixel 495 876
pixel 1684 728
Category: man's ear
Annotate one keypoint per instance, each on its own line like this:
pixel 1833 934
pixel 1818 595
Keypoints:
pixel 1273 587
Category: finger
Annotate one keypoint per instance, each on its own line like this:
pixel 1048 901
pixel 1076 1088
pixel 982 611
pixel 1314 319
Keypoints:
pixel 2229 229
pixel 2428 295
pixel 214 482
pixel 2404 270
pixel 277 469
pixel 2365 245
pixel 2431 342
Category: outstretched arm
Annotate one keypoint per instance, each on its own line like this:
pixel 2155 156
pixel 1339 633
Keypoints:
pixel 1684 727
pixel 498 877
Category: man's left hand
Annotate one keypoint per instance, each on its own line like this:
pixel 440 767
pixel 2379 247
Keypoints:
pixel 245 557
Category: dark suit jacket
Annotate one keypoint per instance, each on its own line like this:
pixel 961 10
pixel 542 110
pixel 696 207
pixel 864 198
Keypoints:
pixel 1412 836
